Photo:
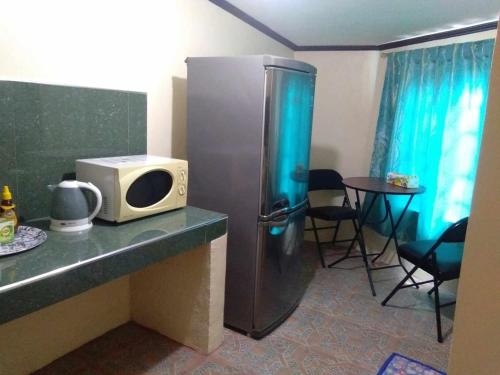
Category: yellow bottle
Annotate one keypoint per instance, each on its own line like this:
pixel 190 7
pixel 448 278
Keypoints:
pixel 7 206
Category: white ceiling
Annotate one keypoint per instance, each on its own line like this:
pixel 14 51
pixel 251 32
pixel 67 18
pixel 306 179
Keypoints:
pixel 365 22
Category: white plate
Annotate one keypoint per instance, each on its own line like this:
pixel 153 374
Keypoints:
pixel 26 238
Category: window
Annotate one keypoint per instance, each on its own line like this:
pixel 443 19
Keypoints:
pixel 430 125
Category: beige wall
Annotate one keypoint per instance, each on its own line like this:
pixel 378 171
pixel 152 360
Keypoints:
pixel 476 342
pixel 345 107
pixel 129 45
pixel 34 340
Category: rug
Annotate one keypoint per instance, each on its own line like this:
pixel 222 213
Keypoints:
pixel 398 364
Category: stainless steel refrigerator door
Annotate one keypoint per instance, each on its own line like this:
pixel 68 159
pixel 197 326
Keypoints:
pixel 287 138
pixel 283 271
pixel 224 141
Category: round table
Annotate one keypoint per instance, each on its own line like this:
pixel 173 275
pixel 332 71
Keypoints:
pixel 379 187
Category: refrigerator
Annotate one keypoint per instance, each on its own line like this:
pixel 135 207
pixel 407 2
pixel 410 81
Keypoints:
pixel 249 122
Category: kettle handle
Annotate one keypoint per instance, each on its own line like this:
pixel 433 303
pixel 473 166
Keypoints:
pixel 97 192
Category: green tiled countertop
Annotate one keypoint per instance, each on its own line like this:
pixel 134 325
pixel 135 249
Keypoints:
pixel 69 264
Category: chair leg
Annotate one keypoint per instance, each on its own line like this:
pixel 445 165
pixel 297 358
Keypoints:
pixel 348 252
pixel 318 245
pixel 437 307
pixel 401 283
pixel 336 232
pixel 433 289
pixel 404 268
pixel 437 304
pixel 356 235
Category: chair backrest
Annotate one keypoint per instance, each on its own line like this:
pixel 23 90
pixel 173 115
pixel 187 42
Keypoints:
pixel 325 179
pixel 456 232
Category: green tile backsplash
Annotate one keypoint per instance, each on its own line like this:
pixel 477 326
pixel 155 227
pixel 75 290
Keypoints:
pixel 44 128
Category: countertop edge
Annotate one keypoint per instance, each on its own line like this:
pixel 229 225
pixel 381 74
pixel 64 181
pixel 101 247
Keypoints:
pixel 30 295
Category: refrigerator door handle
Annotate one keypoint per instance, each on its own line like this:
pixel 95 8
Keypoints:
pixel 280 204
pixel 300 205
pixel 282 207
pixel 283 211
pixel 278 221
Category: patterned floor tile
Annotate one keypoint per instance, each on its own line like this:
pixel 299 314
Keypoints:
pixel 113 341
pixel 155 356
pixel 277 354
pixel 211 367
pixel 69 365
pixel 349 342
pixel 338 328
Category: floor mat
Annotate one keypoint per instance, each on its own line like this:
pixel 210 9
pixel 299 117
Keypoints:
pixel 398 364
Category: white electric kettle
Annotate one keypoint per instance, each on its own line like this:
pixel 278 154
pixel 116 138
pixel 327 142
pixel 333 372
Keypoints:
pixel 70 211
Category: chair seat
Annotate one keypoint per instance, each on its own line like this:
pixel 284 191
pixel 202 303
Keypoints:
pixel 331 213
pixel 448 257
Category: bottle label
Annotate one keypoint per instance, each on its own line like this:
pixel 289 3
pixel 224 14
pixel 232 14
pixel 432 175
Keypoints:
pixel 6 231
pixel 10 215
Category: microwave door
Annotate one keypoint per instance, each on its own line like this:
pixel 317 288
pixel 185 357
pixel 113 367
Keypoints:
pixel 149 189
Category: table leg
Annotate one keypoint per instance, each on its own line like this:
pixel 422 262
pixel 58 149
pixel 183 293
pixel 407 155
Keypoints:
pixel 361 220
pixel 362 245
pixel 394 228
pixel 393 234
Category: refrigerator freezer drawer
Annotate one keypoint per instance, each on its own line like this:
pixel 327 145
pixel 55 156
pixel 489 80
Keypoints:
pixel 283 270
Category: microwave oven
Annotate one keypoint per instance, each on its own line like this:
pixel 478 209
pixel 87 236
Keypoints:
pixel 136 186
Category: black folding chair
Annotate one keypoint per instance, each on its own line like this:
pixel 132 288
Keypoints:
pixel 328 179
pixel 441 258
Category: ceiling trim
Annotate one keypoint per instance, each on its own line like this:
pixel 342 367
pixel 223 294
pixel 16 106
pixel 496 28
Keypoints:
pixel 339 48
pixel 442 35
pixel 238 13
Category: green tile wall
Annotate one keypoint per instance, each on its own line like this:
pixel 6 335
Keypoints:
pixel 44 128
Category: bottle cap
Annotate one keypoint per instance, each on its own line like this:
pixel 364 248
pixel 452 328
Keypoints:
pixel 7 195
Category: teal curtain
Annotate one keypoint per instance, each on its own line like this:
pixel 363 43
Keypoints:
pixel 430 125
